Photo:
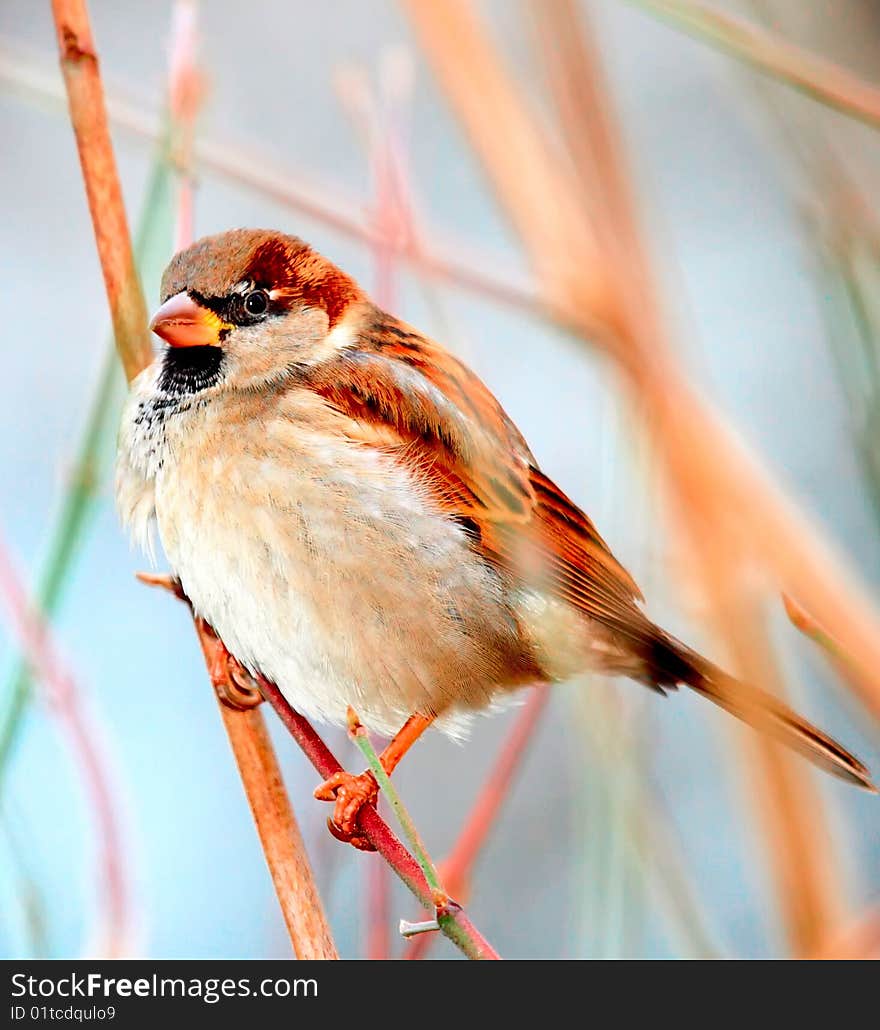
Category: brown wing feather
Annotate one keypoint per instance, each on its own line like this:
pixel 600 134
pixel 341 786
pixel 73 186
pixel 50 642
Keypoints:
pixel 407 394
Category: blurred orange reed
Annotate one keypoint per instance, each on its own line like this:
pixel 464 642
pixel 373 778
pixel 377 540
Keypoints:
pixel 574 212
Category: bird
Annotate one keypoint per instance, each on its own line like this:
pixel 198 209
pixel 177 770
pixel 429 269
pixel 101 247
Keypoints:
pixel 355 515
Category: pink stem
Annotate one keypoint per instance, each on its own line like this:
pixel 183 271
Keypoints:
pixel 392 222
pixel 185 91
pixel 83 735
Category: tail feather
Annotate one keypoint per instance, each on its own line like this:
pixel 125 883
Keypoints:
pixel 671 663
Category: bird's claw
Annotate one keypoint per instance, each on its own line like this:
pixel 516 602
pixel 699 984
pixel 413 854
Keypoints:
pixel 349 793
pixel 239 689
pixel 232 683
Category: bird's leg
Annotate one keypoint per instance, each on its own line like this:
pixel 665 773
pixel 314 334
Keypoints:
pixel 350 793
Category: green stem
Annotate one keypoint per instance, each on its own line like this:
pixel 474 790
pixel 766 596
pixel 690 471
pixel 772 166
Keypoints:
pixel 852 334
pixel 64 543
pixel 153 244
pixel 651 853
pixel 359 734
pixel 818 78
pixel 28 897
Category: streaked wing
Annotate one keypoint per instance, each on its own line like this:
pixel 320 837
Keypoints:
pixel 407 395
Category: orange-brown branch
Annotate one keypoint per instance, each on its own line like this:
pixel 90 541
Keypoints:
pixel 88 116
pixel 276 824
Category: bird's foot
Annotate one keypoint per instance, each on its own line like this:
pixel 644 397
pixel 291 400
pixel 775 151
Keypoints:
pixel 350 793
pixel 240 690
pixel 232 683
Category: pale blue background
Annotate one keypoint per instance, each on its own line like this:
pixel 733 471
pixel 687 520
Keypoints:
pixel 737 266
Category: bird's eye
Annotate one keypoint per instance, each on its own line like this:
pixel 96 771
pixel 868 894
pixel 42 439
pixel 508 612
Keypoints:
pixel 256 303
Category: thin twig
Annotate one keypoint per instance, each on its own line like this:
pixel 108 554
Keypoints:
pixel 89 119
pixel 456 925
pixel 186 90
pixel 359 735
pixel 802 620
pixel 423 929
pixel 817 77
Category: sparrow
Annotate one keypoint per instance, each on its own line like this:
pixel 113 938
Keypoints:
pixel 356 516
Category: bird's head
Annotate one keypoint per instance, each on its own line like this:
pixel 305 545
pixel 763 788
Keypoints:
pixel 241 308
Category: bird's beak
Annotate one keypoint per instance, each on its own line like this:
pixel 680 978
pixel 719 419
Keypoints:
pixel 181 322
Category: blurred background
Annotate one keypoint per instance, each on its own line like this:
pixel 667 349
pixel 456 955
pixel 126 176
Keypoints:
pixel 633 826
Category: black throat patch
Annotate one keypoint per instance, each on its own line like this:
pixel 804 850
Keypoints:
pixel 188 370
